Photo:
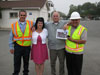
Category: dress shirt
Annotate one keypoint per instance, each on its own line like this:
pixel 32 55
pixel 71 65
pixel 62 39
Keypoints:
pixel 53 42
pixel 22 27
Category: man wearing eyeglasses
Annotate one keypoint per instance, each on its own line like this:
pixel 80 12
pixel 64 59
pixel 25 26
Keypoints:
pixel 20 42
pixel 75 44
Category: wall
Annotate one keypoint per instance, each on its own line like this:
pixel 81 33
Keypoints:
pixel 44 13
pixel 6 21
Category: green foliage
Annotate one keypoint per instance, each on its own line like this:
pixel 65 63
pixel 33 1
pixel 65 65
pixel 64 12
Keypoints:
pixel 0 13
pixel 62 15
pixel 87 9
pixel 98 8
pixel 72 8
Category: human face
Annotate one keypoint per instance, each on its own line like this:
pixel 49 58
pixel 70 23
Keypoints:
pixel 39 25
pixel 22 16
pixel 75 22
pixel 55 17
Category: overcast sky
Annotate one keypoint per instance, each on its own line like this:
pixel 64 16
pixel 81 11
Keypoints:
pixel 63 5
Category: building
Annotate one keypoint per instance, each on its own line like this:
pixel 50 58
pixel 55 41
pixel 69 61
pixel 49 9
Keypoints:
pixel 10 9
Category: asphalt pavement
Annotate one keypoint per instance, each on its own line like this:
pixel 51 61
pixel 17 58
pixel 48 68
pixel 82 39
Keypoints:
pixel 91 62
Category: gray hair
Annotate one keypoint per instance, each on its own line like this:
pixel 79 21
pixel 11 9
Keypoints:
pixel 57 13
pixel 22 11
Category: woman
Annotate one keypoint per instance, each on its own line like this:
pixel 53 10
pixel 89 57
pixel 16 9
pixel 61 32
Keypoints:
pixel 39 52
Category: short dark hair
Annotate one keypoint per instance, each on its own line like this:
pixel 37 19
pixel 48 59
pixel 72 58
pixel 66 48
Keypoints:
pixel 22 11
pixel 39 19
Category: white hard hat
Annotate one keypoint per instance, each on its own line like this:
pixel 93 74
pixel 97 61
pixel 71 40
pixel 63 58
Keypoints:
pixel 75 15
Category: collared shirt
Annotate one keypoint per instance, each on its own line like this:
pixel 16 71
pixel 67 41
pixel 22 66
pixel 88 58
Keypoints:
pixel 22 27
pixel 83 37
pixel 53 42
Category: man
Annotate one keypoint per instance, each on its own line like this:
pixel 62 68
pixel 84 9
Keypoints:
pixel 56 46
pixel 77 37
pixel 20 42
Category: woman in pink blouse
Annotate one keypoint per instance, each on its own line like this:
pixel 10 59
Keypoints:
pixel 39 52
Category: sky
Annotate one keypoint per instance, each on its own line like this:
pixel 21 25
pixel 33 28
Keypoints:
pixel 63 5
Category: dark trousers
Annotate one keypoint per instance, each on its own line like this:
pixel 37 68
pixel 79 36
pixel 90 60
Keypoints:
pixel 74 63
pixel 60 54
pixel 21 52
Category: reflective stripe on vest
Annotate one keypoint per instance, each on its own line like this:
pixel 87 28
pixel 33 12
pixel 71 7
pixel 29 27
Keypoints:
pixel 19 37
pixel 71 46
pixel 28 38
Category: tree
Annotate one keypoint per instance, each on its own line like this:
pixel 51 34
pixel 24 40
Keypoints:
pixel 88 9
pixel 62 15
pixel 0 13
pixel 72 8
pixel 98 8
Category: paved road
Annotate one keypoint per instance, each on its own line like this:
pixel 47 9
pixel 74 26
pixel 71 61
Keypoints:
pixel 91 64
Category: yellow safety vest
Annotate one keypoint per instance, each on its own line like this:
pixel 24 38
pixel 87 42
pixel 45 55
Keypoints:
pixel 72 46
pixel 23 39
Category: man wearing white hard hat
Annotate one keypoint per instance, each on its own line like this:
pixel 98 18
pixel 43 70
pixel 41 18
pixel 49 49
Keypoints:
pixel 77 37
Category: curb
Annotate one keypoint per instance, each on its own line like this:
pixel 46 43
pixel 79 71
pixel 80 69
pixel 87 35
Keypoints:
pixel 5 29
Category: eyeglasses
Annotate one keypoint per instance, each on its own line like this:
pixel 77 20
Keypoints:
pixel 75 20
pixel 22 15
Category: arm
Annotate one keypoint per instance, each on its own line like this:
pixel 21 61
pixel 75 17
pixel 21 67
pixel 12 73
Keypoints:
pixel 77 41
pixel 33 27
pixel 66 25
pixel 46 25
pixel 11 43
pixel 82 40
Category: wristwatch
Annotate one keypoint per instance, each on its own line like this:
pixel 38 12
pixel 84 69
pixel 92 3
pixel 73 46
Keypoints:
pixel 68 36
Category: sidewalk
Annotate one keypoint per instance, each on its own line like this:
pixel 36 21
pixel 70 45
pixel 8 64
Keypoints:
pixel 5 29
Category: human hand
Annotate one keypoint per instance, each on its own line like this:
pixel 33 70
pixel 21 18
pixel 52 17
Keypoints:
pixel 11 51
pixel 69 23
pixel 69 38
pixel 33 29
pixel 65 27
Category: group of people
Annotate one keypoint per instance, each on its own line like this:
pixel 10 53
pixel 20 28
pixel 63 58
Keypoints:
pixel 27 37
